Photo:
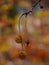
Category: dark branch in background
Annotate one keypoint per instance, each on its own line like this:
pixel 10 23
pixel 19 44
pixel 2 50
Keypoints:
pixel 26 13
pixel 36 3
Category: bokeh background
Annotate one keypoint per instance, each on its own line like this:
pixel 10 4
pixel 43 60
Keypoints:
pixel 31 29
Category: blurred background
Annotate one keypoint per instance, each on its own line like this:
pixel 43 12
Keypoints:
pixel 24 32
